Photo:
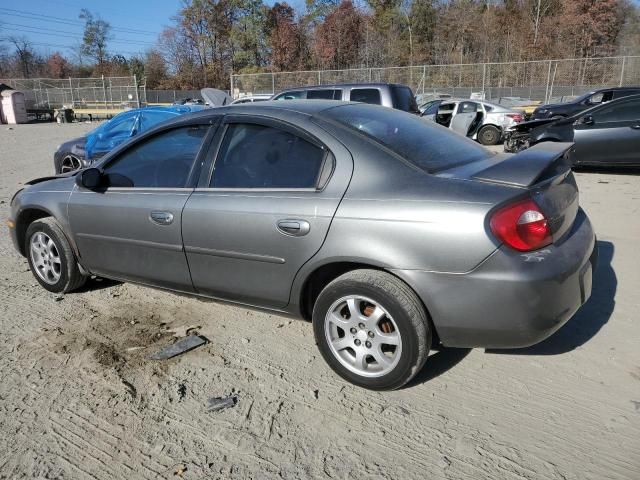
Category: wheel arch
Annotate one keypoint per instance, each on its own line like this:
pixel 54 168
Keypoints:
pixel 318 278
pixel 25 218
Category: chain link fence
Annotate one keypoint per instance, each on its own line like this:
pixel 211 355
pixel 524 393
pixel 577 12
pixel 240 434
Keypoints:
pixel 107 93
pixel 544 80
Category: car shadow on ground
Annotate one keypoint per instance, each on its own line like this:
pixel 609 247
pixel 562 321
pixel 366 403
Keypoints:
pixel 591 317
pixel 97 283
pixel 443 360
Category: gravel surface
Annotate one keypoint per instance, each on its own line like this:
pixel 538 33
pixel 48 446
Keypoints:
pixel 79 397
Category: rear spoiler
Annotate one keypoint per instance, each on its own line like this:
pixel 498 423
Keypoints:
pixel 529 166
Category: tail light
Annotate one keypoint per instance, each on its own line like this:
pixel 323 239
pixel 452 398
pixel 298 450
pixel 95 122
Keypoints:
pixel 522 226
pixel 516 117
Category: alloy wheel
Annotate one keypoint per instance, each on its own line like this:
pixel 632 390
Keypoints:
pixel 45 258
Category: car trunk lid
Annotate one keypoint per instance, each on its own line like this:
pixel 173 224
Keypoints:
pixel 543 172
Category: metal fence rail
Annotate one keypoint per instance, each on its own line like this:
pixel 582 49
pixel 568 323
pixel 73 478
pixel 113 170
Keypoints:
pixel 542 80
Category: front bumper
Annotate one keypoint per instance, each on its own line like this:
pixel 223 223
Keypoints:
pixel 512 299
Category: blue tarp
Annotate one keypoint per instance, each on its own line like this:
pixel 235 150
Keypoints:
pixel 130 123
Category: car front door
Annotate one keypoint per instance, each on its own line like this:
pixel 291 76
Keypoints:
pixel 265 208
pixel 131 228
pixel 609 134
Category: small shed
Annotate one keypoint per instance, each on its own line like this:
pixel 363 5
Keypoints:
pixel 14 109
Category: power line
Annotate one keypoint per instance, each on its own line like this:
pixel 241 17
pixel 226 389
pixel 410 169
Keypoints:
pixel 63 33
pixel 71 47
pixel 64 21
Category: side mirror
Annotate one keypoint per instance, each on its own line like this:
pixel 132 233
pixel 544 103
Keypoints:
pixel 90 178
pixel 587 120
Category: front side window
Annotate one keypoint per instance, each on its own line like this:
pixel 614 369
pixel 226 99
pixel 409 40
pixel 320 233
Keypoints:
pixel 366 95
pixel 163 161
pixel 622 112
pixel 257 156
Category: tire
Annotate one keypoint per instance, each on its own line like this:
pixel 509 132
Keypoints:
pixel 389 311
pixel 489 135
pixel 51 259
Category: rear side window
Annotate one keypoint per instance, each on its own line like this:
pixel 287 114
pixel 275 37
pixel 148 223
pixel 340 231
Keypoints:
pixel 163 161
pixel 403 99
pixel 324 94
pixel 294 95
pixel 257 156
pixel 366 95
pixel 422 143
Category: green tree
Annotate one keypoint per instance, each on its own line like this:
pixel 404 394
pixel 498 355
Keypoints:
pixel 97 33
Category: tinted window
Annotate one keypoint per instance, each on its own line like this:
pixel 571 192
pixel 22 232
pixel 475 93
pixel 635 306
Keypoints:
pixel 164 161
pixel 600 97
pixel 324 94
pixel 403 99
pixel 256 156
pixel 424 144
pixel 624 93
pixel 295 95
pixel 366 95
pixel 622 112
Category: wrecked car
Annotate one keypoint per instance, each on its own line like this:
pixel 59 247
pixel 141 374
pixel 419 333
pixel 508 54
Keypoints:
pixel 386 231
pixel 608 134
pixel 476 119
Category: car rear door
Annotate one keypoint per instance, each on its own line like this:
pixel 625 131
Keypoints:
pixel 264 208
pixel 609 134
pixel 464 117
pixel 131 228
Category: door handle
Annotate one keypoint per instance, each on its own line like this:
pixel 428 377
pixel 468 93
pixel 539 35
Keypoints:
pixel 294 227
pixel 161 218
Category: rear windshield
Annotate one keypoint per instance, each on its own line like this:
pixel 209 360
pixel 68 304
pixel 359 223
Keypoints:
pixel 423 143
pixel 404 100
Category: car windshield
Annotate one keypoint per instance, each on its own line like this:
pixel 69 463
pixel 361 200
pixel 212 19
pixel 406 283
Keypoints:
pixel 426 145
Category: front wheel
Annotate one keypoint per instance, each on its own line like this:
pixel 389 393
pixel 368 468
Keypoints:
pixel 50 257
pixel 372 329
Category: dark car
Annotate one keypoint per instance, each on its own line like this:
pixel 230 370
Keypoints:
pixel 390 95
pixel 385 230
pixel 583 102
pixel 607 134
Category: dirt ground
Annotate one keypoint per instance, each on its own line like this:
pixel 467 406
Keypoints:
pixel 79 397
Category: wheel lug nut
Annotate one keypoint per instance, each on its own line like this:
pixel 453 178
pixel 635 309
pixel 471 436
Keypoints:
pixel 353 330
pixel 357 342
pixel 361 325
pixel 367 344
pixel 370 334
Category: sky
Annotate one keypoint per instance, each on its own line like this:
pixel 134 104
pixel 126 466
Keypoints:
pixel 53 25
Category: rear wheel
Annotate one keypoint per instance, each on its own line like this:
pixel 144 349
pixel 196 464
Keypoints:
pixel 489 135
pixel 50 257
pixel 372 329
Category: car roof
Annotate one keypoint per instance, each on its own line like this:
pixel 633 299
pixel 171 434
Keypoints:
pixel 307 107
pixel 344 85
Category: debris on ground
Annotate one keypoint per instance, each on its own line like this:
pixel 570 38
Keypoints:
pixel 181 346
pixel 182 391
pixel 180 470
pixel 220 403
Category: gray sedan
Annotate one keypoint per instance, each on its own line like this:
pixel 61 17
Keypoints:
pixel 386 231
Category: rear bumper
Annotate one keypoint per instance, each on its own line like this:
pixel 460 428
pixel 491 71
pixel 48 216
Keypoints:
pixel 512 299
